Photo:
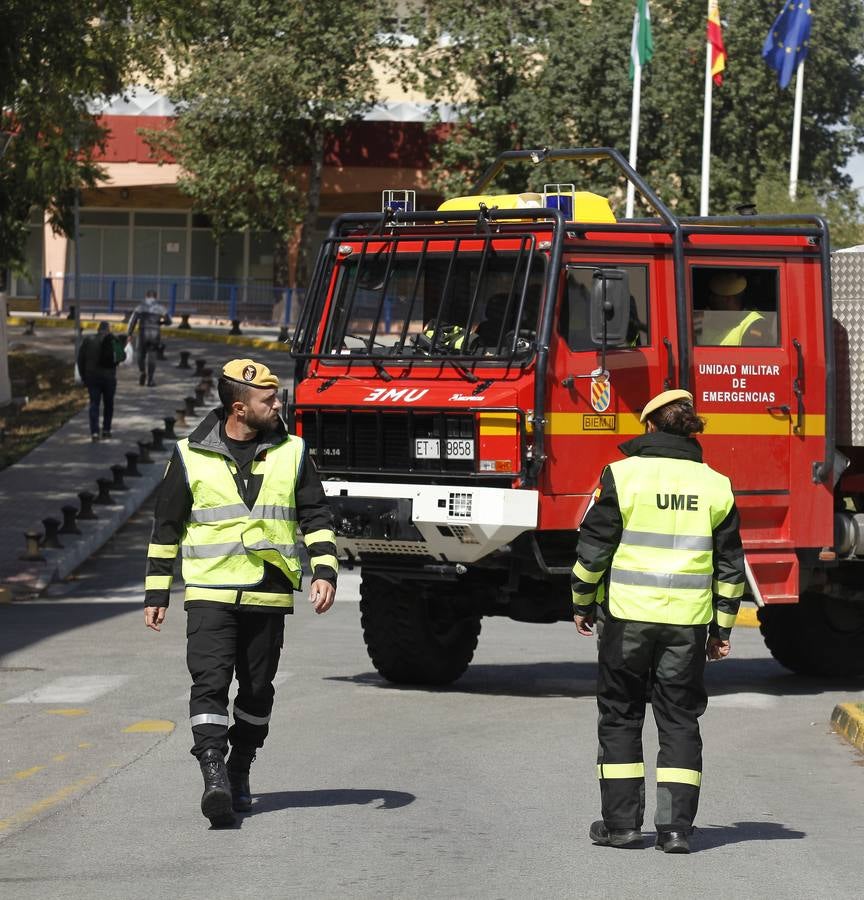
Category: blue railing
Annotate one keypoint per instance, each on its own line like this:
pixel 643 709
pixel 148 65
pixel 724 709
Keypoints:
pixel 243 301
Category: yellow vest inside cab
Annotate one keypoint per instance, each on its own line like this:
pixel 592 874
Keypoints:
pixel 225 544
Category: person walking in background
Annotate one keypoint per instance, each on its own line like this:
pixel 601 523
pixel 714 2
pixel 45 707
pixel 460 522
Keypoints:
pixel 148 317
pixel 98 358
pixel 660 550
pixel 231 502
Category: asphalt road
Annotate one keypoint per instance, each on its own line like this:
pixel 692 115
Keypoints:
pixel 364 790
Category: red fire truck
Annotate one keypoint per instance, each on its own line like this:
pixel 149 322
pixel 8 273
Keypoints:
pixel 463 375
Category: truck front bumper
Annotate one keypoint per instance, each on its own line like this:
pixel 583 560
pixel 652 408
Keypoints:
pixel 448 523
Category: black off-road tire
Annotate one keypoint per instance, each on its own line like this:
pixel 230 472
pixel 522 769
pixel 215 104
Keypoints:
pixel 820 635
pixel 414 633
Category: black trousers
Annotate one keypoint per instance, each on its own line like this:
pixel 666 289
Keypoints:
pixel 219 644
pixel 101 389
pixel 638 662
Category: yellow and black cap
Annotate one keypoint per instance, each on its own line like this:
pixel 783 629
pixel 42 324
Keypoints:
pixel 250 373
pixel 662 399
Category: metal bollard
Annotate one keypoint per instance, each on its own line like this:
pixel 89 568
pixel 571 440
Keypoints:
pixel 86 498
pixel 169 427
pixel 282 337
pixel 184 359
pixel 156 443
pixel 32 554
pixel 184 321
pixel 180 417
pixel 200 394
pixel 131 470
pixel 207 373
pixel 118 484
pixel 103 498
pixel 200 363
pixel 235 327
pixel 160 351
pixel 51 541
pixel 144 453
pixel 69 514
pixel 190 405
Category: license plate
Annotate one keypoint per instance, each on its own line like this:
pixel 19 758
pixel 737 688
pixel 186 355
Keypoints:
pixel 456 448
pixel 427 448
pixel 460 448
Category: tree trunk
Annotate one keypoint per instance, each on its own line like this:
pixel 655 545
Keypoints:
pixel 310 220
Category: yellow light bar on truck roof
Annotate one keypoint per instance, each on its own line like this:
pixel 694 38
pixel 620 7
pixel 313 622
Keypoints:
pixel 587 207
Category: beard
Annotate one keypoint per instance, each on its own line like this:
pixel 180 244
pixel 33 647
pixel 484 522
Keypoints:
pixel 263 422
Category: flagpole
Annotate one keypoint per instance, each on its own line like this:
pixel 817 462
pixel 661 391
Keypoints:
pixel 634 133
pixel 706 129
pixel 796 132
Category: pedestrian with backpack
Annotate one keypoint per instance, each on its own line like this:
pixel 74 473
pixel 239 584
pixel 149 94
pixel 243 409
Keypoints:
pixel 98 358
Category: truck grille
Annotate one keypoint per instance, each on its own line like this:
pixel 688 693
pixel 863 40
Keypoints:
pixel 384 441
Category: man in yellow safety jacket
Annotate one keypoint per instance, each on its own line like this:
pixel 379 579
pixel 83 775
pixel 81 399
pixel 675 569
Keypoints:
pixel 660 553
pixel 234 498
pixel 727 322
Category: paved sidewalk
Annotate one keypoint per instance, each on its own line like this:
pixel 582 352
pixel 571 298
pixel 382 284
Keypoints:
pixel 52 475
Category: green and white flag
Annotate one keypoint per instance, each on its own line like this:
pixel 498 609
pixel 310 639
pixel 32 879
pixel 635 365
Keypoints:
pixel 642 45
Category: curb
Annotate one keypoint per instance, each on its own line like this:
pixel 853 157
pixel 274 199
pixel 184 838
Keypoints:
pixel 747 617
pixel 60 563
pixel 847 720
pixel 192 334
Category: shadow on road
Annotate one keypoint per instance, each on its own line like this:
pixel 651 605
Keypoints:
pixel 334 797
pixel 22 624
pixel 754 677
pixel 709 837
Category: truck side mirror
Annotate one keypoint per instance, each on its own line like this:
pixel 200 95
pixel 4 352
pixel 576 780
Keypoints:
pixel 610 307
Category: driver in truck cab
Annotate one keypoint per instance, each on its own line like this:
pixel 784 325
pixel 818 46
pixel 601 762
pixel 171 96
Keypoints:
pixel 727 321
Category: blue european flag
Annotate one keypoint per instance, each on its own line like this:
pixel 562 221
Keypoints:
pixel 788 40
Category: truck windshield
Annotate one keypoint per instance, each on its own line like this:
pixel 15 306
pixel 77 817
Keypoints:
pixel 433 299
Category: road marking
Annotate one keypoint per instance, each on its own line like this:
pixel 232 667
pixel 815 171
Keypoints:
pixel 70 713
pixel 20 776
pixel 150 726
pixel 59 757
pixel 743 701
pixel 31 812
pixel 72 689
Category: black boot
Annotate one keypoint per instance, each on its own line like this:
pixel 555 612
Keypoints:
pixel 216 799
pixel 238 774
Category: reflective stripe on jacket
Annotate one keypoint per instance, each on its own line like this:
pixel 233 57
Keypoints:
pixel 225 545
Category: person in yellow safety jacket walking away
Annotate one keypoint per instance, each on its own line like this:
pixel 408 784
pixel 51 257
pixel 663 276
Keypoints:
pixel 234 496
pixel 661 567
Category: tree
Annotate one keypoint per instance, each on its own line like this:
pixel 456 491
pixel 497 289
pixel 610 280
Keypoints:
pixel 558 75
pixel 55 57
pixel 266 83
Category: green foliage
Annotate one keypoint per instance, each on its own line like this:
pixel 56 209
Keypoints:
pixel 841 207
pixel 266 82
pixel 556 74
pixel 55 56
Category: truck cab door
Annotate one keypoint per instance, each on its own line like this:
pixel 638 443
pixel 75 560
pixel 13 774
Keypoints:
pixel 592 411
pixel 743 368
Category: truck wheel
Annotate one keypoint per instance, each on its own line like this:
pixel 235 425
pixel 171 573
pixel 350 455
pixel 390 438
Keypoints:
pixel 415 636
pixel 820 635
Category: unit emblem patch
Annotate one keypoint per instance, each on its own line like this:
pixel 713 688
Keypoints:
pixel 249 373
pixel 601 392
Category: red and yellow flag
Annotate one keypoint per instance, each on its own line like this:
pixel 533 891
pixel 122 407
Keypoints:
pixel 715 39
